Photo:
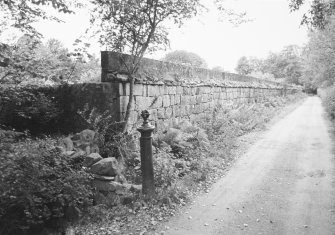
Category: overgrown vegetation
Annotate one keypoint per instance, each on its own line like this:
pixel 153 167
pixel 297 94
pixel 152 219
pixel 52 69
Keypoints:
pixel 188 158
pixel 41 190
pixel 328 99
pixel 29 61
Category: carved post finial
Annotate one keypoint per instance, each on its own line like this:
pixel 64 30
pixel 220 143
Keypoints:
pixel 145 115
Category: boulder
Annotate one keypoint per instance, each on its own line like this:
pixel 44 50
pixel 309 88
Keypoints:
pixel 121 179
pixel 77 155
pixel 136 188
pixel 91 159
pixel 110 186
pixel 107 167
pixel 66 144
pixel 103 178
pixel 87 136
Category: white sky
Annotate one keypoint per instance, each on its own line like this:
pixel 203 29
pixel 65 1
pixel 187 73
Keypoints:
pixel 219 43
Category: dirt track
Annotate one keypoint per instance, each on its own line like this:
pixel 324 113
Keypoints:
pixel 282 185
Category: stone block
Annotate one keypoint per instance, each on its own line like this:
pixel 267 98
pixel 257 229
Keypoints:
pixel 186 90
pixel 198 99
pixel 198 91
pixel 171 90
pixel 157 102
pixel 139 89
pixel 217 89
pixel 111 186
pixel 142 103
pixel 172 100
pixel 168 112
pixel 192 100
pixel 123 103
pixel 176 111
pixel 207 89
pixel 153 90
pixel 193 90
pixel 177 99
pixel 179 90
pixel 166 101
pixel 91 159
pixel 161 113
pixel 134 116
pixel 184 99
pixel 125 88
pixel 106 167
pixel 205 98
pixel 188 110
pixel 153 114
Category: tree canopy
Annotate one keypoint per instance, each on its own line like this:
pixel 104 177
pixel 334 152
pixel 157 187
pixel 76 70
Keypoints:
pixel 287 64
pixel 21 14
pixel 185 58
pixel 319 56
pixel 318 15
pixel 34 62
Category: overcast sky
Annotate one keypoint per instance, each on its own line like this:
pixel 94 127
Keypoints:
pixel 219 43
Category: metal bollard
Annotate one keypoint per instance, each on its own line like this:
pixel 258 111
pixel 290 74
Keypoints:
pixel 146 130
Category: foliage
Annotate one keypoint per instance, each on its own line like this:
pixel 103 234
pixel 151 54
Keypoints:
pixel 31 61
pixel 111 142
pixel 22 14
pixel 328 100
pixel 39 188
pixel 218 69
pixel 318 14
pixel 243 67
pixel 234 17
pixel 185 58
pixel 286 64
pixel 136 27
pixel 183 166
pixel 27 108
pixel 319 57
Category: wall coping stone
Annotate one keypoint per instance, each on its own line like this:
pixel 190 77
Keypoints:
pixel 155 72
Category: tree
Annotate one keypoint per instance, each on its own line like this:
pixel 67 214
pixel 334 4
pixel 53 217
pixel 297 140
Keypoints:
pixel 319 57
pixel 136 27
pixel 318 15
pixel 285 64
pixel 21 14
pixel 35 62
pixel 185 58
pixel 243 66
pixel 218 69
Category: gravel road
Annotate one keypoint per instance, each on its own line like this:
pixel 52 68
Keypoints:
pixel 283 184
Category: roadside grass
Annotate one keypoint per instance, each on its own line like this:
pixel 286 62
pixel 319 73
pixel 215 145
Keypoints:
pixel 188 159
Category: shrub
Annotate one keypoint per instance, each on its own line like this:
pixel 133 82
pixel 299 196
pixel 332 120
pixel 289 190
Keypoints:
pixel 39 188
pixel 27 108
pixel 165 172
pixel 328 100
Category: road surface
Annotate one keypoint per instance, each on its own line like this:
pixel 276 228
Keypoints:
pixel 284 184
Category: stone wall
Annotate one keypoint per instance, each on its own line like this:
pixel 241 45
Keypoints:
pixel 168 91
pixel 173 92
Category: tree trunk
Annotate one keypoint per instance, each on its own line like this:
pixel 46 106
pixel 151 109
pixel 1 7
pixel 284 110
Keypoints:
pixel 130 104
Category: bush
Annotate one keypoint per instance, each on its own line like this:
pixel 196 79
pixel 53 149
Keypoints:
pixel 39 188
pixel 27 108
pixel 328 100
